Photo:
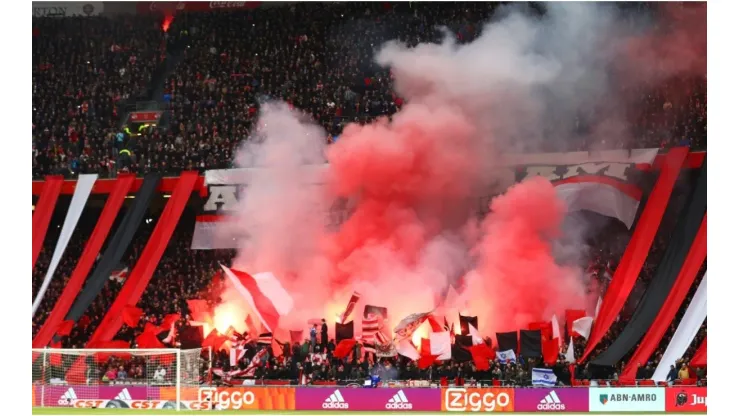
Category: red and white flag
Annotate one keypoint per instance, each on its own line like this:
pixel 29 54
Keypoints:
pixel 235 354
pixel 350 306
pixel 370 328
pixel 256 362
pixel 119 275
pixel 263 292
pixel 439 343
pixel 405 329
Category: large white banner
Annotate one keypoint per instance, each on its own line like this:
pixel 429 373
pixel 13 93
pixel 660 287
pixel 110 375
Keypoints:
pixel 692 320
pixel 66 9
pixel 79 199
pixel 592 181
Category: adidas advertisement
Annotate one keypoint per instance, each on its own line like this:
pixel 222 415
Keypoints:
pixel 551 400
pixel 358 399
pixel 88 396
pixel 141 404
pixel 626 399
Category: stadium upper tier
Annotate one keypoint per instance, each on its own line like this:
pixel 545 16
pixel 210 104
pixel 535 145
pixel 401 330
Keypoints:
pixel 119 93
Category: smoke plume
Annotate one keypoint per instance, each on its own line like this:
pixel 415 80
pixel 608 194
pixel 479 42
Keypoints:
pixel 410 184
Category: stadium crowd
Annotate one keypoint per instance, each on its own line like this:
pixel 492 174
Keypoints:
pixel 184 274
pixel 318 57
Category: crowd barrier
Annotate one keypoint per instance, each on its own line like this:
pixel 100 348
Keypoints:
pixel 446 399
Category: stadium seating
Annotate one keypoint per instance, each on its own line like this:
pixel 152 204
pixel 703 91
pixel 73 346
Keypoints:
pixel 221 76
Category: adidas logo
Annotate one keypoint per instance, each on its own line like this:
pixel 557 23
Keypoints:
pixel 68 396
pixel 335 401
pixel 551 402
pixel 123 395
pixel 399 402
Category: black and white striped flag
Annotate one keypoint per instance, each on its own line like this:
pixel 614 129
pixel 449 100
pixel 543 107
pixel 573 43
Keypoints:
pixel 265 338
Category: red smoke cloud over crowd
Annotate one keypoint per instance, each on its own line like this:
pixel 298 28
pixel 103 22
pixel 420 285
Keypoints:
pixel 410 185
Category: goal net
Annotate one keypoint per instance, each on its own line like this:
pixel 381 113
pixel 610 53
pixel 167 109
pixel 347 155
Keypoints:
pixel 133 378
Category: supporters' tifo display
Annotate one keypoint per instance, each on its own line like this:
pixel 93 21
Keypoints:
pixel 337 207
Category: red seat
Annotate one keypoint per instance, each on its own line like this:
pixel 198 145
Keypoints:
pixel 663 383
pixel 496 383
pixel 601 382
pixel 688 382
pixel 628 382
pixel 647 383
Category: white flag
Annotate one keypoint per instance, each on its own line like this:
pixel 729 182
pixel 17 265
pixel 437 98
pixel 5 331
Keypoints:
pixel 475 335
pixel 598 308
pixel 406 348
pixel 556 330
pixel 439 344
pixel 543 377
pixel 582 326
pixel 570 356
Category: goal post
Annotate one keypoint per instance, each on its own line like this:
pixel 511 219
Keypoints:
pixel 116 378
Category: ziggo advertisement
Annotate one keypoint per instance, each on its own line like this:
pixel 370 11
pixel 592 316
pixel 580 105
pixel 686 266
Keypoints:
pixel 487 400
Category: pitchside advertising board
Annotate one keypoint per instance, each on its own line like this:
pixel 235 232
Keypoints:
pixel 686 399
pixel 358 399
pixel 461 400
pixel 478 400
pixel 69 395
pixel 568 400
pixel 627 399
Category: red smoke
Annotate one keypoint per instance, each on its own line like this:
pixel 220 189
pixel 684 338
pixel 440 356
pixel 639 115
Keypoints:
pixel 516 269
pixel 411 184
pixel 407 180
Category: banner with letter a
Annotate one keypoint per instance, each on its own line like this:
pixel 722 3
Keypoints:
pixel 603 182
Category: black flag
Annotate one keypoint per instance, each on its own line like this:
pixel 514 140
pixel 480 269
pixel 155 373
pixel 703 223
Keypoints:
pixel 531 343
pixel 507 341
pixel 460 350
pixel 191 337
pixel 344 331
pixel 465 322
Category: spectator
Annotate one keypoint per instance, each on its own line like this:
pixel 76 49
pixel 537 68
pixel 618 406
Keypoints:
pixel 160 374
pixel 110 375
pixel 324 334
pixel 122 375
pixel 641 371
pixel 672 374
pixel 683 374
pixel 313 338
